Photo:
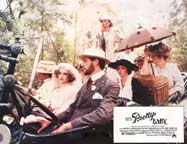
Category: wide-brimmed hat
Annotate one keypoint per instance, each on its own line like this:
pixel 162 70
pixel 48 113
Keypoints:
pixel 45 67
pixel 66 67
pixel 96 53
pixel 70 69
pixel 123 62
pixel 106 17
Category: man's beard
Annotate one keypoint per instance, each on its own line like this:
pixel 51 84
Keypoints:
pixel 89 70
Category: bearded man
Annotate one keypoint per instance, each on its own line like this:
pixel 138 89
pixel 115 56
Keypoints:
pixel 96 98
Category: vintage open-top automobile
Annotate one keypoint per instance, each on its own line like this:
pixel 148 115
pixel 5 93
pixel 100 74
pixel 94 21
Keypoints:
pixel 17 103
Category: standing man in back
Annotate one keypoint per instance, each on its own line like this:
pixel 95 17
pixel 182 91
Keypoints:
pixel 108 39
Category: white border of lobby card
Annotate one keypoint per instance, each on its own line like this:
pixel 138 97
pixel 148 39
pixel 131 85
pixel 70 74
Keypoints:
pixel 148 124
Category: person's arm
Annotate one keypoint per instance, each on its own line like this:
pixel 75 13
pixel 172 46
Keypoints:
pixel 64 127
pixel 117 40
pixel 101 114
pixel 178 83
pixel 37 119
pixel 117 37
pixel 145 70
pixel 98 38
pixel 66 115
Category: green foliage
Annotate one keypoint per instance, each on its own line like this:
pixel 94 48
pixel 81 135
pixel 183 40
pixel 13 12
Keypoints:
pixel 32 20
pixel 61 51
pixel 180 53
pixel 24 69
pixel 2 67
pixel 7 28
pixel 40 21
pixel 6 23
pixel 179 25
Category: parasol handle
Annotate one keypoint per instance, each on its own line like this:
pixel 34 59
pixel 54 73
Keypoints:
pixel 152 67
pixel 40 45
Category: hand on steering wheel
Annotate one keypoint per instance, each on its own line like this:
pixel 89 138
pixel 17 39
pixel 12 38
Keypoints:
pixel 37 119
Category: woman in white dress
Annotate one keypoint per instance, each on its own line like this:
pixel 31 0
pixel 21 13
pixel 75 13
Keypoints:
pixel 64 86
pixel 131 88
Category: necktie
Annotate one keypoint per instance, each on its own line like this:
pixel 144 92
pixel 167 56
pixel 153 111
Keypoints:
pixel 89 83
pixel 102 42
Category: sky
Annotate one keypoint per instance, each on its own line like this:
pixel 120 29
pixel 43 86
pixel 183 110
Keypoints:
pixel 146 12
pixel 143 12
pixel 130 13
pixel 2 4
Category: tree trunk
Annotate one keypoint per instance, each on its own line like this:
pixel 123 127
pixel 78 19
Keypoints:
pixel 185 6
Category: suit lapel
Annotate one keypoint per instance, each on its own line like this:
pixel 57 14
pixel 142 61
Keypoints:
pixel 88 93
pixel 100 83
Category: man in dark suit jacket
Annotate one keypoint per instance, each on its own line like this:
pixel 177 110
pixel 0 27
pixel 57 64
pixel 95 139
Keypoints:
pixel 95 100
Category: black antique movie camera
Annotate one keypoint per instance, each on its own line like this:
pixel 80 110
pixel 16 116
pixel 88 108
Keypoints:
pixel 15 101
pixel 7 80
pixel 14 98
pixel 10 54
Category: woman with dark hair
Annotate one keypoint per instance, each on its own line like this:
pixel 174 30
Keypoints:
pixel 130 88
pixel 64 85
pixel 159 54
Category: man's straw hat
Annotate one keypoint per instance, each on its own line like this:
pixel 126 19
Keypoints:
pixel 45 67
pixel 94 52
